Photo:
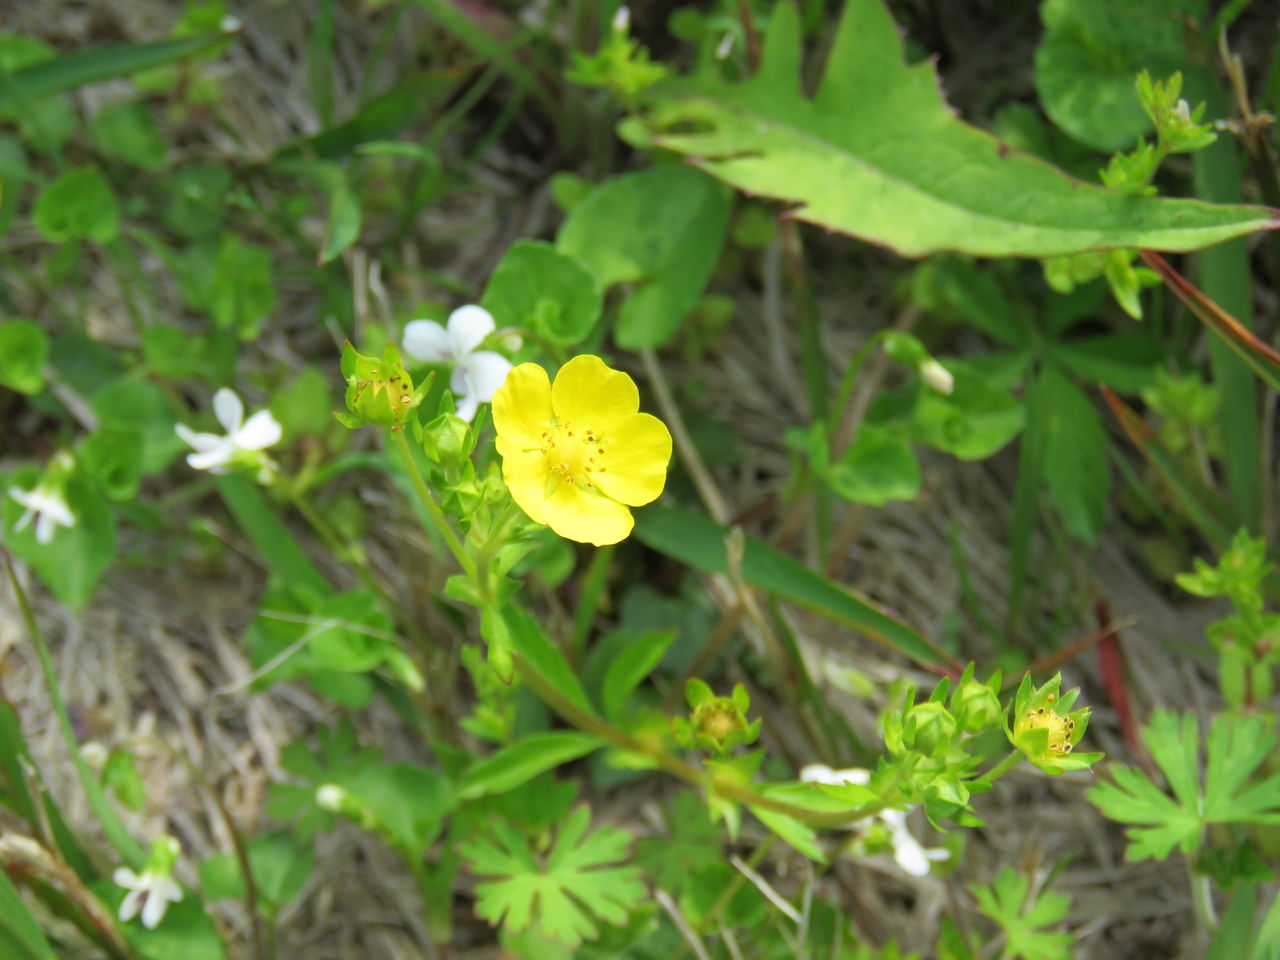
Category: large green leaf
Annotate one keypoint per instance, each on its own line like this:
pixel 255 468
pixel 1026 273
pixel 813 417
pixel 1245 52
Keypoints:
pixel 877 153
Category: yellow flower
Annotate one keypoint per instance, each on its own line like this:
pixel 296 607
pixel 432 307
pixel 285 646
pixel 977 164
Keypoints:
pixel 576 454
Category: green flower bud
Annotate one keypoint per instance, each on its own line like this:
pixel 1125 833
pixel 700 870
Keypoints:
pixel 379 392
pixel 928 728
pixel 977 707
pixel 716 723
pixel 448 441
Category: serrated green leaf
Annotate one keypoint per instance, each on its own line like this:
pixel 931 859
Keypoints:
pixel 566 893
pixel 1005 903
pixel 878 154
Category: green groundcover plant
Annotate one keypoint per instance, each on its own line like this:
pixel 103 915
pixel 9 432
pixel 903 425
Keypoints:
pixel 538 474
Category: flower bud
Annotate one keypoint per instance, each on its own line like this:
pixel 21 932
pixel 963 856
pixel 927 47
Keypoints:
pixel 448 441
pixel 716 723
pixel 379 392
pixel 936 377
pixel 928 728
pixel 331 797
pixel 977 707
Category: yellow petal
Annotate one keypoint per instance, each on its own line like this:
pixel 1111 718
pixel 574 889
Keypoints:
pixel 633 468
pixel 585 516
pixel 522 406
pixel 526 477
pixel 587 392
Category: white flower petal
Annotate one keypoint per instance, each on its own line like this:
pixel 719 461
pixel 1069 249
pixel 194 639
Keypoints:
pixel 910 856
pixel 485 371
pixel 167 888
pixel 199 441
pixel 466 406
pixel 154 909
pixel 216 457
pixel 468 326
pixel 426 341
pixel 124 877
pixel 130 905
pixel 46 527
pixel 259 431
pixel 23 520
pixel 228 409
pixel 27 498
pixel 821 773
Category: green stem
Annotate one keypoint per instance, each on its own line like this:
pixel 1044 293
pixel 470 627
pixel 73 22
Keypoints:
pixel 129 849
pixel 429 504
pixel 701 777
pixel 589 603
pixel 1001 768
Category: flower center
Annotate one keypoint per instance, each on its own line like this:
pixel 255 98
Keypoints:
pixel 1060 728
pixel 574 453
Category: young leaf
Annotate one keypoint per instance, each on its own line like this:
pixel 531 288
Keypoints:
pixel 877 153
pixel 537 286
pixel 524 760
pixel 878 466
pixel 24 351
pixel 567 891
pixel 79 205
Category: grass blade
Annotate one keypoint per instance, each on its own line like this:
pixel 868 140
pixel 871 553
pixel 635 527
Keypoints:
pixel 87 66
pixel 269 535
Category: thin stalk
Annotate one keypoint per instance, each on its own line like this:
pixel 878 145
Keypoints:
pixel 673 765
pixel 1001 768
pixel 593 586
pixel 438 519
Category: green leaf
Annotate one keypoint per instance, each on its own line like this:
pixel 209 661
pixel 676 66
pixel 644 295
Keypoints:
pixel 138 405
pixel 410 802
pixel 1075 457
pixel 1235 931
pixel 79 205
pixel 20 935
pixel 72 70
pixel 1237 746
pixel 695 539
pixel 273 540
pixel 1005 902
pixel 352 634
pixel 280 865
pixel 972 422
pixel 242 291
pixel 24 351
pixel 537 286
pixel 1089 57
pixel 187 932
pixel 522 761
pixel 568 892
pixel 877 153
pixel 1124 362
pixel 661 230
pixel 127 131
pixel 344 223
pixel 72 562
pixel 632 664
pixel 542 658
pixel 878 466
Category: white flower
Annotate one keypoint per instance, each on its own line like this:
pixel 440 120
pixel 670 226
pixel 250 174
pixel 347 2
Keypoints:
pixel 330 796
pixel 149 892
pixel 215 453
pixel 47 506
pixel 622 19
pixel 936 377
pixel 909 853
pixel 476 373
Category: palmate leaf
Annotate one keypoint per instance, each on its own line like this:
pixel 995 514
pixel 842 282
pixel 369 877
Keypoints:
pixel 1005 903
pixel 578 882
pixel 877 153
pixel 1237 746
